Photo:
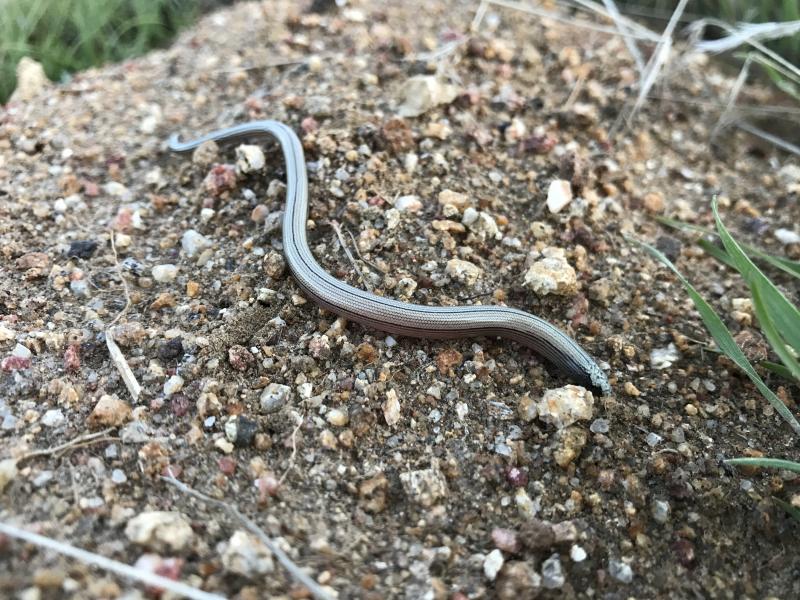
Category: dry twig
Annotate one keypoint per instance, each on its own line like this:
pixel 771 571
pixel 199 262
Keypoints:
pixel 83 440
pixel 296 572
pixel 90 558
pixel 117 357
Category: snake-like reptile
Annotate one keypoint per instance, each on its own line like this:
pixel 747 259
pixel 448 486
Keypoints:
pixel 385 314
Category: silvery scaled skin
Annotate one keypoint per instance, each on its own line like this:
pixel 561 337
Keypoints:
pixel 385 314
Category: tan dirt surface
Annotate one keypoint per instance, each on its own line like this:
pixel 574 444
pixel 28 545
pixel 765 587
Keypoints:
pixel 385 468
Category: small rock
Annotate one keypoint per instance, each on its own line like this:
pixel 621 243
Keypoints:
pixel 492 564
pixel 552 575
pixel 662 358
pixel 410 204
pixel 109 411
pixel 571 440
pixel 787 236
pixel 422 92
pixel 577 553
pixel 205 154
pixel 171 349
pixel 337 418
pixel 118 477
pixel 526 409
pixel 425 486
pixel 482 224
pixel 463 271
pixel 32 260
pixel 660 510
pixel 160 530
pixel 194 242
pixel 164 273
pixel 81 249
pixel 241 431
pixel 21 351
pixel 518 581
pixel 559 194
pixel 552 274
pixel 653 439
pixel 246 555
pixel 456 199
pixel 620 571
pixel 506 540
pixel 599 426
pixel 391 408
pixel 274 397
pixel 240 358
pixel 448 359
pixel 249 158
pixel 564 406
pixel 6 333
pixel 72 358
pixel 669 246
pixel 565 532
pixel 53 418
pixel 653 202
pixel 8 471
pixel 172 385
pixel 789 175
pixel 31 79
pixel 220 180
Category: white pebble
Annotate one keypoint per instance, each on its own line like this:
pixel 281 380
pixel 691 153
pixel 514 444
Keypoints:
pixel 249 158
pixel 564 406
pixel 662 358
pixel 53 418
pixel 559 194
pixel 577 553
pixel 21 351
pixel 193 242
pixel 337 418
pixel 552 274
pixel 408 204
pixel 173 385
pixel 787 236
pixel 164 273
pixel 492 564
pixel 391 408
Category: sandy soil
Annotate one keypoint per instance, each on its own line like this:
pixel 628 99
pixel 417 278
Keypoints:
pixel 384 467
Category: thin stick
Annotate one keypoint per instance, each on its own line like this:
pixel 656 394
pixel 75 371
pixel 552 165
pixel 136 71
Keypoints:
pixel 342 243
pixel 773 139
pixel 81 440
pixel 117 357
pixel 478 18
pixel 660 56
pixel 361 256
pixel 731 103
pixel 547 14
pixel 614 15
pixel 294 449
pixel 128 302
pixel 90 558
pixel 622 25
pixel 296 572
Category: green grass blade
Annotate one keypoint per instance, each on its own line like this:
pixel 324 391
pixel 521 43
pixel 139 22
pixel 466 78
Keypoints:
pixel 716 252
pixel 770 331
pixel 767 463
pixel 784 313
pixel 792 267
pixel 778 369
pixel 793 511
pixel 724 338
